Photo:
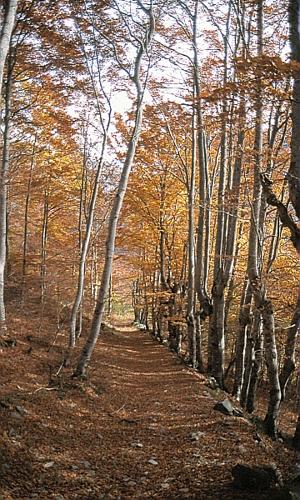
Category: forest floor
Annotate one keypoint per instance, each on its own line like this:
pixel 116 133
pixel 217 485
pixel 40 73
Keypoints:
pixel 141 426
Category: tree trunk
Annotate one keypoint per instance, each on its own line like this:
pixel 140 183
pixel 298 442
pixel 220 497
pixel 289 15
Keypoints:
pixel 118 200
pixel 199 349
pixel 26 218
pixel 294 170
pixel 256 225
pixel 202 250
pixel 272 368
pixel 289 350
pixel 191 324
pixel 44 240
pixel 240 348
pixel 216 330
pixel 249 356
pixel 256 362
pixel 7 27
pixel 4 188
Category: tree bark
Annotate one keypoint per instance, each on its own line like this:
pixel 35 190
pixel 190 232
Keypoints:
pixel 4 189
pixel 216 343
pixel 256 362
pixel 240 347
pixel 272 368
pixel 294 170
pixel 289 363
pixel 7 27
pixel 191 324
pixel 44 240
pixel 202 249
pixel 10 12
pixel 26 218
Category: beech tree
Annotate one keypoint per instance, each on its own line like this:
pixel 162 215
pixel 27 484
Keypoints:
pixel 143 44
pixel 9 17
pixel 294 170
pixel 7 26
pixel 104 112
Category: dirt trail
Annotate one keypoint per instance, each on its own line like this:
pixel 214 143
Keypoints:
pixel 143 426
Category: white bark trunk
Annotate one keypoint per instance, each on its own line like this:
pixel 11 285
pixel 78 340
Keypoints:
pixel 85 247
pixel 3 193
pixel 118 200
pixel 272 368
pixel 5 35
pixel 191 325
pixel 216 330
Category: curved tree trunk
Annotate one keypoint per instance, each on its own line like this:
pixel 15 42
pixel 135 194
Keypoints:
pixel 119 197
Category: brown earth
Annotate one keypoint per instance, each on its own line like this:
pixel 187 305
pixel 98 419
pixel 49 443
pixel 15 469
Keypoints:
pixel 126 432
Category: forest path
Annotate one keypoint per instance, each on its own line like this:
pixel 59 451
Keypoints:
pixel 142 426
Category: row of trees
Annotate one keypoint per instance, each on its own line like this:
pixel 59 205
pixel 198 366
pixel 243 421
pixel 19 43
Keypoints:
pixel 207 279
pixel 207 129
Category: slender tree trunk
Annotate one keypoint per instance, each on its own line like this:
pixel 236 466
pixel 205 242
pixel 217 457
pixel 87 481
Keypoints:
pixel 26 218
pixel 202 250
pixel 289 350
pixel 118 201
pixel 44 240
pixel 110 299
pixel 216 330
pixel 82 213
pixel 255 233
pixel 240 348
pixel 217 321
pixel 94 273
pixel 249 356
pixel 191 325
pixel 272 368
pixel 256 362
pixel 10 12
pixel 199 348
pixel 294 170
pixel 4 189
pixel 232 282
